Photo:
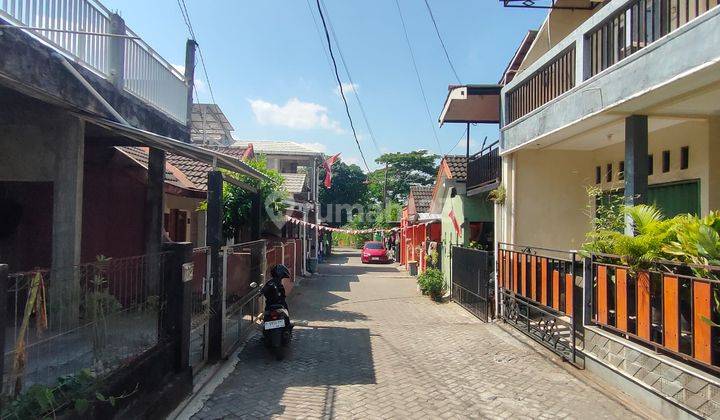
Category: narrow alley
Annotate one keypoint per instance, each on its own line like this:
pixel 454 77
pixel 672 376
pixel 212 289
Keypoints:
pixel 373 347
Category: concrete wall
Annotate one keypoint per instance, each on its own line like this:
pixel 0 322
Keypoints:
pixel 676 54
pixel 673 389
pixel 449 237
pixel 550 199
pixel 692 133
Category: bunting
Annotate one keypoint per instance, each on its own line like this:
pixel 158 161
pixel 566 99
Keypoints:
pixel 322 228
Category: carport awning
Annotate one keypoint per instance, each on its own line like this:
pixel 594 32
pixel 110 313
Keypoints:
pixel 472 104
pixel 210 157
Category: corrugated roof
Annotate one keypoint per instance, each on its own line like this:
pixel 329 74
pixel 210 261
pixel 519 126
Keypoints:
pixel 422 196
pixel 210 126
pixel 294 183
pixel 277 147
pixel 457 165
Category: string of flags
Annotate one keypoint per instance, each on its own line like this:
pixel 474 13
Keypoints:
pixel 322 228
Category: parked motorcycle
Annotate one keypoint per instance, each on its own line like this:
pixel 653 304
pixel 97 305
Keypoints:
pixel 277 332
pixel 276 325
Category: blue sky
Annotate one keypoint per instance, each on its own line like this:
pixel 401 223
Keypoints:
pixel 272 78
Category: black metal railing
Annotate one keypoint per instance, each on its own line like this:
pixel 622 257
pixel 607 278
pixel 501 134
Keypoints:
pixel 637 25
pixel 545 84
pixel 539 295
pixel 484 167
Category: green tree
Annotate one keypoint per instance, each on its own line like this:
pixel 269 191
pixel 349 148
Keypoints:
pixel 349 187
pixel 237 202
pixel 403 170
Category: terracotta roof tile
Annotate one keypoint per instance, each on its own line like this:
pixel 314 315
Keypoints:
pixel 422 196
pixel 458 166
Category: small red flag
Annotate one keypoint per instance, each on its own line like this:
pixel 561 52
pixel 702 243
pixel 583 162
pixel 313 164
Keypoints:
pixel 327 165
pixel 249 153
pixel 456 226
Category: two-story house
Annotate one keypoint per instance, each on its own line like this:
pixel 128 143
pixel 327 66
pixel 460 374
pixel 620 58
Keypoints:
pixel 620 95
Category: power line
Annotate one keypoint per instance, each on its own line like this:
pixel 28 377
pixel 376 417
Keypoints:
pixel 437 31
pixel 347 71
pixel 186 17
pixel 417 74
pixel 459 140
pixel 320 37
pixel 342 92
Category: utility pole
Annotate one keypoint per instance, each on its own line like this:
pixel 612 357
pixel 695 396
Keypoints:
pixel 385 188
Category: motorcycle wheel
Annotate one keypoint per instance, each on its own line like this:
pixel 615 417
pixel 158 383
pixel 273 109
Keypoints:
pixel 279 353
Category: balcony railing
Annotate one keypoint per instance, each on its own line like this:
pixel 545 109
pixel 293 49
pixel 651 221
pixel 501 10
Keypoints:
pixel 616 31
pixel 84 30
pixel 542 86
pixel 637 25
pixel 484 168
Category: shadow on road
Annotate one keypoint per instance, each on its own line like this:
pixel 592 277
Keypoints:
pixel 320 358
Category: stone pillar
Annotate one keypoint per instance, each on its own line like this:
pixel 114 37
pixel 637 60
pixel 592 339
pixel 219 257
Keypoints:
pixel 68 136
pixel 176 314
pixel 154 211
pixel 190 47
pixel 636 163
pixel 116 51
pixel 214 241
pixel 256 217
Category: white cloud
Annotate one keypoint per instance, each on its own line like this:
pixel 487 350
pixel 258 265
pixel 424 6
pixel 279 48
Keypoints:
pixel 316 146
pixel 348 88
pixel 294 114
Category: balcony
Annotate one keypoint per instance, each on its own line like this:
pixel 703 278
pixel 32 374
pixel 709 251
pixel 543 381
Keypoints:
pixel 97 39
pixel 484 169
pixel 631 56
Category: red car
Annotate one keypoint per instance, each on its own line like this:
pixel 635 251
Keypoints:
pixel 374 252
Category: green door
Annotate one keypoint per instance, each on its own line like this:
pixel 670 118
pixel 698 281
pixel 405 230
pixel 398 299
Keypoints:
pixel 671 199
pixel 676 198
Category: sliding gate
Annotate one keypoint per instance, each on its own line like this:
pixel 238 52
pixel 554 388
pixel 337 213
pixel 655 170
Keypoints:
pixel 539 295
pixel 471 285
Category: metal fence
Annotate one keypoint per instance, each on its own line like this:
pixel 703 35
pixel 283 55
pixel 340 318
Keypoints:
pixel 200 307
pixel 668 307
pixel 539 295
pixel 637 25
pixel 61 20
pixel 243 264
pixel 152 78
pixel 82 30
pixel 471 280
pixel 98 316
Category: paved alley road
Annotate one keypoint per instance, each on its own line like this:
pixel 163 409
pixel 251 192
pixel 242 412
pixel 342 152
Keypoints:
pixel 374 348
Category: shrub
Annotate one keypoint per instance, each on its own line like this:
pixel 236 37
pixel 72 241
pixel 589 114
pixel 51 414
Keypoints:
pixel 432 283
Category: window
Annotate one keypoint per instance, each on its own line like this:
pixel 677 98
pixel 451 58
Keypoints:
pixel 666 161
pixel 598 174
pixel 684 157
pixel 608 174
pixel 651 162
pixel 288 167
pixel 621 170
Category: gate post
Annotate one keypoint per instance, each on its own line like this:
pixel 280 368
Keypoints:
pixel 214 241
pixel 3 314
pixel 177 312
pixel 587 290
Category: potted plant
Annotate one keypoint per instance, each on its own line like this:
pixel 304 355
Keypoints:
pixel 432 283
